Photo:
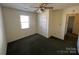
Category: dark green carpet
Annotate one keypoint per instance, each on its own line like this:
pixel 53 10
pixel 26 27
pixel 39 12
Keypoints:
pixel 39 45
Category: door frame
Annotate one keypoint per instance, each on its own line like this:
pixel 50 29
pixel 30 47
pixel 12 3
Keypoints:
pixel 66 24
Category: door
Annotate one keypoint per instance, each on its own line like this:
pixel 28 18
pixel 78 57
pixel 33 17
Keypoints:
pixel 70 24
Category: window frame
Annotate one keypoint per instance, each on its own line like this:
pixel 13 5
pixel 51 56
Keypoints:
pixel 21 22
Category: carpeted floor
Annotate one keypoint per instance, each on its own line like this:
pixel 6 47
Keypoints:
pixel 39 45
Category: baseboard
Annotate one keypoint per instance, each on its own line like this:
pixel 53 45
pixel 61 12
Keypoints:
pixel 55 37
pixel 31 35
pixel 16 39
pixel 43 35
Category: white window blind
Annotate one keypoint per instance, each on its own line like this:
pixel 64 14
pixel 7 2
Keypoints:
pixel 25 23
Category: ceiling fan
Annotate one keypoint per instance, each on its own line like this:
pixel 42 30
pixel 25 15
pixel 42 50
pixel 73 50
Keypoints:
pixel 42 7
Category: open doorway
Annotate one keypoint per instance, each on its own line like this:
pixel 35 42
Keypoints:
pixel 70 24
pixel 71 28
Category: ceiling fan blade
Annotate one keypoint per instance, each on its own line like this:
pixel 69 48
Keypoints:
pixel 36 10
pixel 44 4
pixel 38 7
pixel 42 7
pixel 48 7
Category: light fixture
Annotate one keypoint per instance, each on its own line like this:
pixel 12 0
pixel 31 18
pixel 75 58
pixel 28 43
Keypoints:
pixel 39 11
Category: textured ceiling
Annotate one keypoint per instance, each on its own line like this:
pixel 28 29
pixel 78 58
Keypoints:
pixel 30 6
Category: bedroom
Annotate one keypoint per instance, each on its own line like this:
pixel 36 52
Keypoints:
pixel 42 33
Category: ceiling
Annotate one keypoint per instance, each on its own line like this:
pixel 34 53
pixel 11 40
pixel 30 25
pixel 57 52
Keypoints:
pixel 31 6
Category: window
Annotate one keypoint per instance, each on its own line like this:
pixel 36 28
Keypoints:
pixel 24 21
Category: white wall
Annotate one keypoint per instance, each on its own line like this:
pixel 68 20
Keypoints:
pixel 57 24
pixel 51 20
pixel 2 35
pixel 43 23
pixel 50 23
pixel 12 24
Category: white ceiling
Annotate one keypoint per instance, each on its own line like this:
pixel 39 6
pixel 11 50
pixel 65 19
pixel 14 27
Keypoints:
pixel 30 6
